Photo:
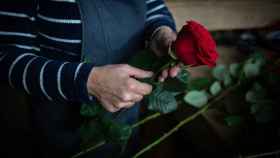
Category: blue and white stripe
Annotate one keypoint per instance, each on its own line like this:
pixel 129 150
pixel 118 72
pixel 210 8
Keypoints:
pixel 62 21
pixel 53 32
pixel 59 81
pixel 2 56
pixel 22 34
pixel 17 15
pixel 150 1
pixel 42 81
pixel 26 47
pixel 155 9
pixel 63 40
pixel 14 64
pixel 77 71
pixel 24 78
pixel 68 1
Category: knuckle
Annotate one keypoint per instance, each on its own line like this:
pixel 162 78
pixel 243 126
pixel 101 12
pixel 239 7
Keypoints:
pixel 111 109
pixel 125 97
pixel 139 98
pixel 129 105
pixel 119 105
pixel 129 85
pixel 149 89
pixel 114 110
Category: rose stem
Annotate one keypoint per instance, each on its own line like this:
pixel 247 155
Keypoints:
pixel 148 118
pixel 183 122
pixel 89 149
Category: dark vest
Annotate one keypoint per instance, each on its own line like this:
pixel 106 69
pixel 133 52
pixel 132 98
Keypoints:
pixel 113 30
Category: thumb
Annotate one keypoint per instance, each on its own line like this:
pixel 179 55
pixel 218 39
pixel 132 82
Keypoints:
pixel 139 73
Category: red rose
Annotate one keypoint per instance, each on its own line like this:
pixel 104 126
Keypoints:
pixel 195 46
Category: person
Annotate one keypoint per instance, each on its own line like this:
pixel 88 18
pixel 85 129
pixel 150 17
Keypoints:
pixel 43 48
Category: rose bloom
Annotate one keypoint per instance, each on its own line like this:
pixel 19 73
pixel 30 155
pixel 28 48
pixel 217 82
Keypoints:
pixel 195 45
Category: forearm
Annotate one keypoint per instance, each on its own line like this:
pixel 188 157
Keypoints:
pixel 44 78
pixel 157 15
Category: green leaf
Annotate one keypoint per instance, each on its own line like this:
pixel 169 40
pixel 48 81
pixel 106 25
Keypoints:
pixel 255 94
pixel 255 97
pixel 183 76
pixel 91 110
pixel 254 108
pixel 196 98
pixel 162 101
pixel 264 113
pixel 257 106
pixel 234 69
pixel 87 60
pixel 227 79
pixel 199 84
pixel 219 72
pixel 233 120
pixel 174 85
pixel 251 70
pixel 116 132
pixel 258 87
pixel 258 58
pixel 105 128
pixel 222 74
pixel 252 67
pixel 177 84
pixel 91 133
pixel 215 88
pixel 144 60
pixel 251 97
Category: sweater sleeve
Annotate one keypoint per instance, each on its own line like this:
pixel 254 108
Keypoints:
pixel 157 15
pixel 22 67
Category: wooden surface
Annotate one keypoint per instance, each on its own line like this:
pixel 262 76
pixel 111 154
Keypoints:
pixel 226 14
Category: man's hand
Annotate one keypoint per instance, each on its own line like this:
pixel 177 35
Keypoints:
pixel 116 87
pixel 160 43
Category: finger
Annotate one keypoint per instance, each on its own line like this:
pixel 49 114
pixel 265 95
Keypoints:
pixel 164 74
pixel 169 36
pixel 137 98
pixel 173 72
pixel 109 107
pixel 161 79
pixel 132 96
pixel 140 87
pixel 130 105
pixel 139 73
pixel 121 105
pixel 115 102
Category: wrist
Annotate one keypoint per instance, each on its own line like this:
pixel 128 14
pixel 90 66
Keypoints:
pixel 82 74
pixel 161 39
pixel 92 81
pixel 160 30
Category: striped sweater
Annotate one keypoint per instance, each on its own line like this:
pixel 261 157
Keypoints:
pixel 40 46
